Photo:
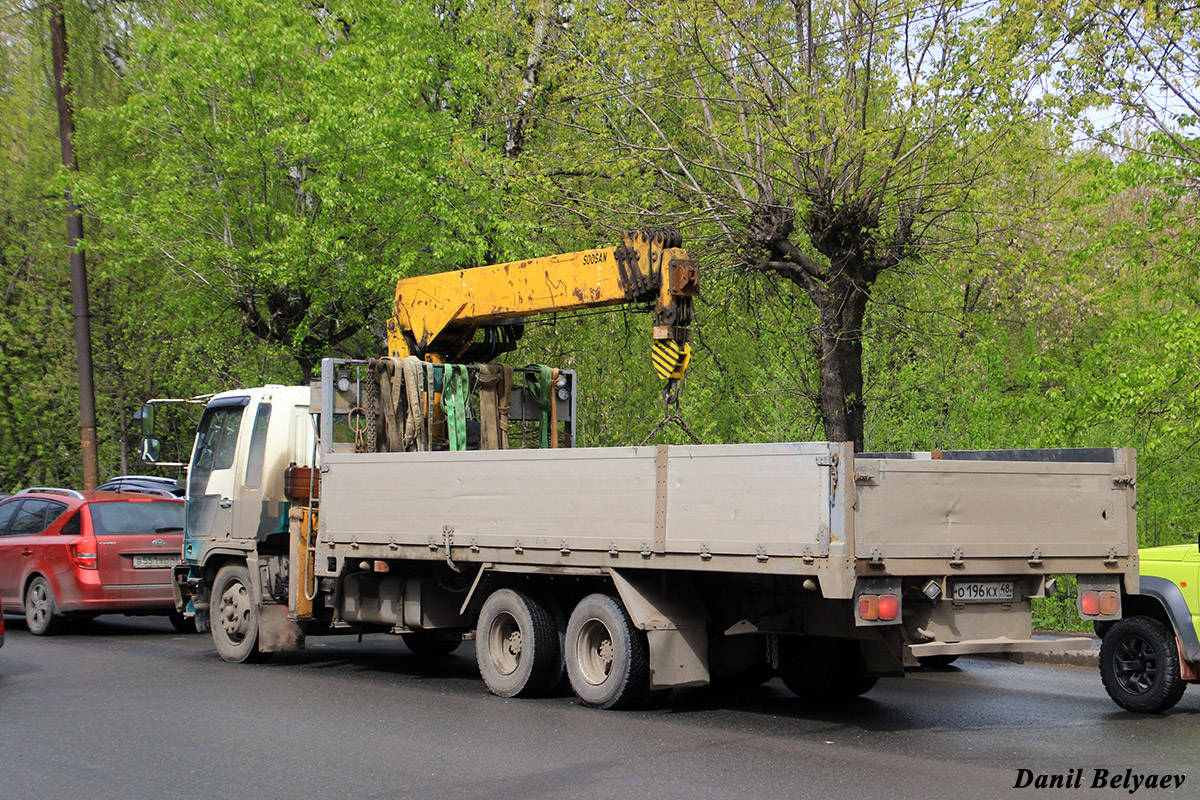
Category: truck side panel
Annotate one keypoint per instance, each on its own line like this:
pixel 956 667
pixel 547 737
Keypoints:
pixel 736 499
pixel 514 499
pixel 999 509
pixel 680 502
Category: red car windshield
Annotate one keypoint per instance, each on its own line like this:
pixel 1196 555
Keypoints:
pixel 136 517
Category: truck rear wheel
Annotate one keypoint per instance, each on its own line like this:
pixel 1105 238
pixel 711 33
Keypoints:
pixel 820 668
pixel 608 659
pixel 516 645
pixel 233 615
pixel 1139 665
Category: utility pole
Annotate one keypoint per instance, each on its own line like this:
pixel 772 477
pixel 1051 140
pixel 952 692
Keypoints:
pixel 79 292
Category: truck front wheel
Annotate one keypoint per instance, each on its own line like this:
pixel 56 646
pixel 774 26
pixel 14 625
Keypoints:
pixel 1139 665
pixel 233 615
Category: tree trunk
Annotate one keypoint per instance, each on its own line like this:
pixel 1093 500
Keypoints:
pixel 841 341
pixel 840 289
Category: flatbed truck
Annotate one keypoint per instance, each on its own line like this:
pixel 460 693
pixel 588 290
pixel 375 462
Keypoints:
pixel 394 495
pixel 636 569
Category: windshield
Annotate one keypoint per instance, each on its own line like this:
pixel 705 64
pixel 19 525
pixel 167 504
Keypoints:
pixel 132 517
pixel 216 441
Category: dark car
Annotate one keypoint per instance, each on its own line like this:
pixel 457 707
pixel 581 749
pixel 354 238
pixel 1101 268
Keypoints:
pixel 143 484
pixel 66 554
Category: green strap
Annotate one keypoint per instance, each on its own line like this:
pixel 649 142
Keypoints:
pixel 541 390
pixel 454 403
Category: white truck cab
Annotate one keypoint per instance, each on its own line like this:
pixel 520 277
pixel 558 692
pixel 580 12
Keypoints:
pixel 235 489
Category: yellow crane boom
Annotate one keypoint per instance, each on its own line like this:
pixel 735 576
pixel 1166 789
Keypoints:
pixel 475 314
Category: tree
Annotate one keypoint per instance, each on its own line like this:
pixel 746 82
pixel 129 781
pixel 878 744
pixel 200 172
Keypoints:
pixel 822 143
pixel 1130 63
pixel 293 160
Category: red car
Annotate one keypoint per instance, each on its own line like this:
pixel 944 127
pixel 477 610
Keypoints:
pixel 66 554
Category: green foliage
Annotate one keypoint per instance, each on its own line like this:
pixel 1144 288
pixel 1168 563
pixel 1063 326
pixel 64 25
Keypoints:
pixel 296 215
pixel 1059 612
pixel 1131 65
pixel 257 175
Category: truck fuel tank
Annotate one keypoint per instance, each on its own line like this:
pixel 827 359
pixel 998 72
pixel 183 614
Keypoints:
pixel 409 602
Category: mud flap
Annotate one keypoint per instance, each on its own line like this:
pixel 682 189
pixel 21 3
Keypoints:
pixel 670 611
pixel 678 658
pixel 277 633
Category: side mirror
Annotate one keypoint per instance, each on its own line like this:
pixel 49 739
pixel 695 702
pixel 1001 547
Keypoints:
pixel 150 448
pixel 145 416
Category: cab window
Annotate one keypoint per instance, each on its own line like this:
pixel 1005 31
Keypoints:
pixel 258 446
pixel 216 443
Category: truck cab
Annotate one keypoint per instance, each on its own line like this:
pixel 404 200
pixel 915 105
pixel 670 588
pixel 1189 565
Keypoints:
pixel 236 505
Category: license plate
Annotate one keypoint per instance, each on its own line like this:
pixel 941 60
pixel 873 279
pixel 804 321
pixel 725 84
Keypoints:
pixel 154 562
pixel 983 591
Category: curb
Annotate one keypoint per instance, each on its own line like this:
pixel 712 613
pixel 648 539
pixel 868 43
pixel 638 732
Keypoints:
pixel 1068 658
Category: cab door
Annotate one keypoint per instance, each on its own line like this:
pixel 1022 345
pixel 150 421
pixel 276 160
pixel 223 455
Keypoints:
pixel 253 516
pixel 213 473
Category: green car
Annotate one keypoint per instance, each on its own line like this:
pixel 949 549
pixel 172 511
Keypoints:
pixel 1148 658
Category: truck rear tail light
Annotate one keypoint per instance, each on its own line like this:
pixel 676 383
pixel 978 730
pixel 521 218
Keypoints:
pixel 83 552
pixel 1089 603
pixel 868 607
pixel 1110 603
pixel 889 606
pixel 1095 603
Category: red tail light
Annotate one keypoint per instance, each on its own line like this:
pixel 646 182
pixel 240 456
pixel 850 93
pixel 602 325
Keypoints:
pixel 878 607
pixel 1110 603
pixel 83 552
pixel 1089 603
pixel 1099 603
pixel 889 606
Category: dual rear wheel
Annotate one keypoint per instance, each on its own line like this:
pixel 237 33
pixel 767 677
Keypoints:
pixel 523 648
pixel 822 668
pixel 523 653
pixel 517 645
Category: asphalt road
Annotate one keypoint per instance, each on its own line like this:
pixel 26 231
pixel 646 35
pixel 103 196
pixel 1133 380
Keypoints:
pixel 127 708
